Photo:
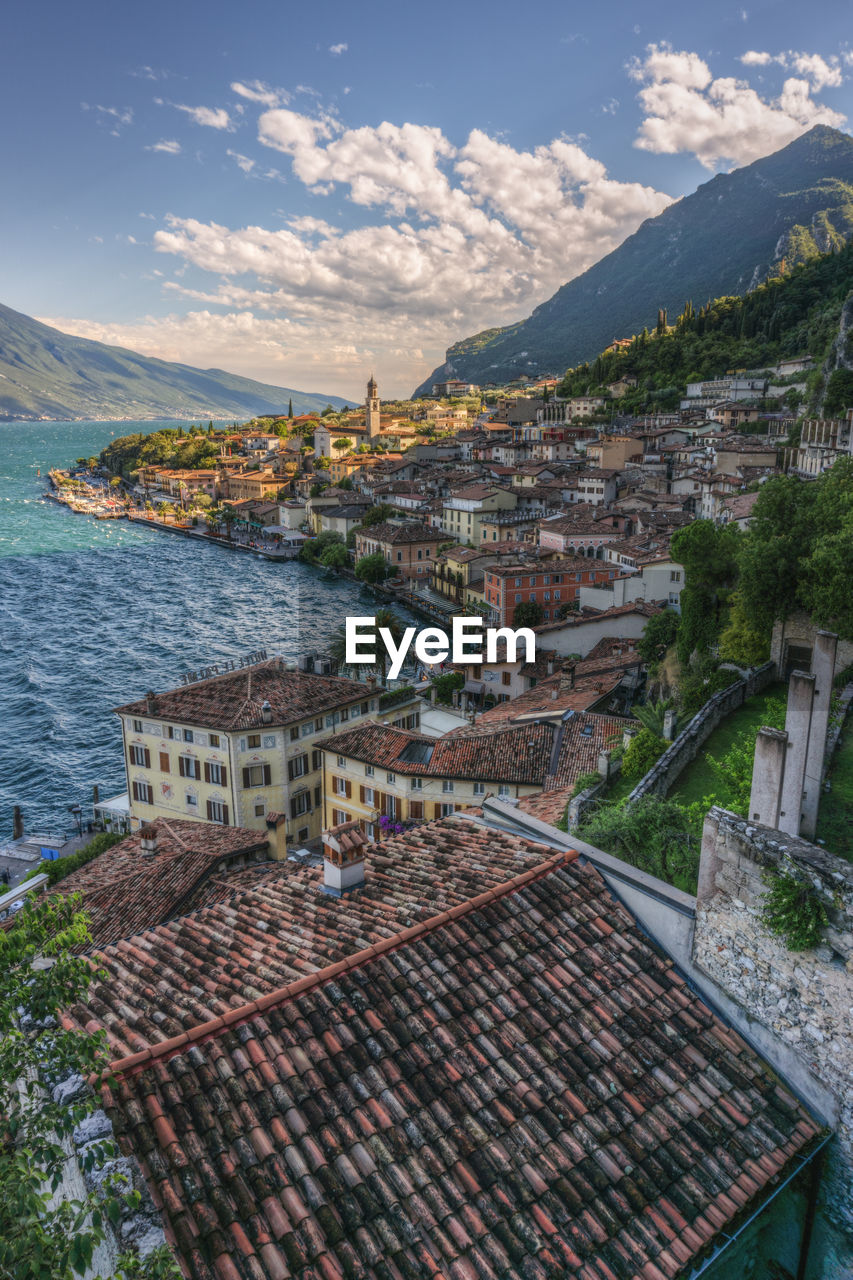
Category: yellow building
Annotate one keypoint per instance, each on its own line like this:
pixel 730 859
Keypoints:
pixel 373 771
pixel 233 748
pixel 463 513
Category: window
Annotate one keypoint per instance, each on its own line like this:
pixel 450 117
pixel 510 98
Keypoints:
pixel 368 771
pixel 294 733
pixel 368 796
pixel 307 729
pixel 518 597
pixel 416 784
pixel 170 732
pixel 518 582
pixel 140 756
pixel 188 735
pixel 364 708
pixel 503 789
pixel 447 810
pixel 217 812
pixel 300 804
pixel 192 800
pixel 390 777
pixel 297 767
pixel 316 759
pixel 506 677
pixel 253 740
pixel 216 773
pixel 318 724
pixel 479 788
pixel 137 726
pixel 447 785
pixel 416 810
pixel 339 817
pixel 164 762
pixel 144 792
pixel 342 762
pixel 256 775
pixel 546 580
pixel 214 739
pixel 188 767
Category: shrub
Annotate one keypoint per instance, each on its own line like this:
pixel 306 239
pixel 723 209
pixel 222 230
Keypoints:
pixel 585 780
pixel 792 910
pixel 643 750
pixel 445 685
pixel 652 834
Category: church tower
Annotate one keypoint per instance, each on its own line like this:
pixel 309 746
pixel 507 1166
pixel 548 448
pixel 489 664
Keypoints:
pixel 371 409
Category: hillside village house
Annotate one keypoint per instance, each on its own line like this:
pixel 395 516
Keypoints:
pixel 262 486
pixel 552 585
pixel 462 514
pixel 236 747
pixel 410 548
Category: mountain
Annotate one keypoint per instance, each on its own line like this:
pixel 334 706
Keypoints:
pixel 48 374
pixel 725 238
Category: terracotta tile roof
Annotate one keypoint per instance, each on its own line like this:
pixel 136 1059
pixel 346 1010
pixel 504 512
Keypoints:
pixel 263 927
pixel 521 1087
pixel 126 889
pixel 514 754
pixel 547 698
pixel 235 700
pixel 645 608
pixel 411 531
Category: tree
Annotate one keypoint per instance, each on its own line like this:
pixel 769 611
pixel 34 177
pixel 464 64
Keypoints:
pixel 372 568
pixel 290 408
pixel 229 515
pixel 527 614
pixel 335 557
pixel 659 634
pixel 376 514
pixel 652 716
pixel 39 976
pixel 708 553
pixel 342 444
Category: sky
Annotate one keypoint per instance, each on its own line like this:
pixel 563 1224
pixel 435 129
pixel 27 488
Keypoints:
pixel 308 193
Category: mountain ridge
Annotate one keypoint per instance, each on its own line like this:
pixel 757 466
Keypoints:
pixel 45 373
pixel 723 239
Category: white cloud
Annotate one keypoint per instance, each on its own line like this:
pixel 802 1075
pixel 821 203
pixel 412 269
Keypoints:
pixel 170 146
pixel 112 118
pixel 337 49
pixel 723 121
pixel 822 73
pixel 243 162
pixel 453 239
pixel 211 117
pixel 257 91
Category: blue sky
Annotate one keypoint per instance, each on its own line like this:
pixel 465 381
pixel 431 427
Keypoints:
pixel 303 193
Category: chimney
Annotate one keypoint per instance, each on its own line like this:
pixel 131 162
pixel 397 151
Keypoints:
pixel 266 712
pixel 371 682
pixel 151 703
pixel 343 859
pixel 550 666
pixel 148 840
pixel 567 677
pixel 555 693
pixel 277 836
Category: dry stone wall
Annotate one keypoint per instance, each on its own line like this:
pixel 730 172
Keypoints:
pixel 805 999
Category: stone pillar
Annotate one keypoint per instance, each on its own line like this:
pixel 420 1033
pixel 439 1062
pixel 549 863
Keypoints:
pixel 669 718
pixel 823 669
pixel 797 726
pixel 768 773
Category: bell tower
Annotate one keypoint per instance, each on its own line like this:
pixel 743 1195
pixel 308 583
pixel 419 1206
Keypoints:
pixel 371 409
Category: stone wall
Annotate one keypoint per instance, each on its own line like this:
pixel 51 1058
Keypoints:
pixel 802 999
pixel 685 747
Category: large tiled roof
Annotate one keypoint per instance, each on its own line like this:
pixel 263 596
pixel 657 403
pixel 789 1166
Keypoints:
pixel 265 926
pixel 126 889
pixel 235 700
pixel 549 698
pixel 411 531
pixel 514 754
pixel 523 1086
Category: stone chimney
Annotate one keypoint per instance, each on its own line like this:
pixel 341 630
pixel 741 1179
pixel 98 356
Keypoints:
pixel 555 693
pixel 148 840
pixel 343 859
pixel 567 677
pixel 277 836
pixel 151 703
pixel 266 712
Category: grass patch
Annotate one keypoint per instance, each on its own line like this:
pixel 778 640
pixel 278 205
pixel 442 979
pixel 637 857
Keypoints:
pixel 698 779
pixel 834 828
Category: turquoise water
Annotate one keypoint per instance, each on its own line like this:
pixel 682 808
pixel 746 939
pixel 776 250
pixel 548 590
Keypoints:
pixel 94 613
